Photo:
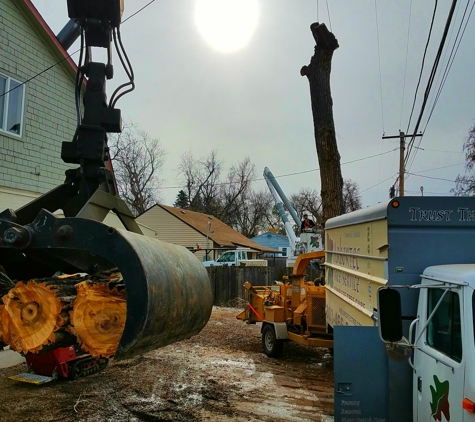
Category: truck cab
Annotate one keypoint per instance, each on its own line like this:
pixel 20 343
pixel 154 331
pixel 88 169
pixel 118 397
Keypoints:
pixel 237 257
pixel 230 258
pixel 421 248
pixel 442 340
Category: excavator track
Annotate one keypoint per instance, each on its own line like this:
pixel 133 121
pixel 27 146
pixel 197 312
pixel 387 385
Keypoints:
pixel 86 366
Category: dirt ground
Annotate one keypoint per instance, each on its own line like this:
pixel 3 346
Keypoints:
pixel 219 375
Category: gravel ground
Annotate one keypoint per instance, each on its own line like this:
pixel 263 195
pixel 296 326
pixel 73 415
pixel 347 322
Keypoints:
pixel 219 375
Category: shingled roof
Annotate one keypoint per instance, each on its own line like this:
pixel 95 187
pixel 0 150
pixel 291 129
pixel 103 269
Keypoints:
pixel 219 232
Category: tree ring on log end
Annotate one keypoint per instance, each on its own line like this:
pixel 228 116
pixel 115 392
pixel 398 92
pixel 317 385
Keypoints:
pixel 98 318
pixel 29 316
pixel 30 312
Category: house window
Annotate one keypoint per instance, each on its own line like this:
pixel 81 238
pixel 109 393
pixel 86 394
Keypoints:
pixel 284 251
pixel 12 97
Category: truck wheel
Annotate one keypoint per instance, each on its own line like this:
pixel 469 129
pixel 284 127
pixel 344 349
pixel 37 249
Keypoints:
pixel 271 345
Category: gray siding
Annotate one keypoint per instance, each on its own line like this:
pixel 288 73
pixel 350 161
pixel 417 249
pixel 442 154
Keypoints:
pixel 33 162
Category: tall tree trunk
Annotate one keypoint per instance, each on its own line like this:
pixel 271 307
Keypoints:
pixel 318 74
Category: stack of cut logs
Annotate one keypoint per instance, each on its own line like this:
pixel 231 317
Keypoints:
pixel 41 315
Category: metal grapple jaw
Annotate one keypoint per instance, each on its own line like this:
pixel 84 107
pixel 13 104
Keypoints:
pixel 168 293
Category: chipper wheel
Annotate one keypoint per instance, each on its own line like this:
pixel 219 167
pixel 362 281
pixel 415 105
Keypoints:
pixel 271 345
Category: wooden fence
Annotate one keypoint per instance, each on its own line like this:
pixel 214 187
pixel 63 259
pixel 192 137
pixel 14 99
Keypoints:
pixel 227 282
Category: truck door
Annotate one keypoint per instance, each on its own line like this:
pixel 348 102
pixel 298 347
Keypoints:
pixel 439 360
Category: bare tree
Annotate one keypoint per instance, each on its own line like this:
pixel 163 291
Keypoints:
pixel 318 74
pixel 200 178
pixel 351 196
pixel 254 216
pixel 137 160
pixel 207 194
pixel 235 192
pixel 465 184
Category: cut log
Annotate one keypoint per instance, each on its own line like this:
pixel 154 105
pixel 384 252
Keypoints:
pixel 35 317
pixel 30 316
pixel 98 317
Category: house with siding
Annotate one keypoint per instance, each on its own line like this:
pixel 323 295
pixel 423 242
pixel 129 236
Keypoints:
pixel 274 241
pixel 195 230
pixel 37 106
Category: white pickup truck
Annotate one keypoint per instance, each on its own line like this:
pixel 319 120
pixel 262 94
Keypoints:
pixel 235 258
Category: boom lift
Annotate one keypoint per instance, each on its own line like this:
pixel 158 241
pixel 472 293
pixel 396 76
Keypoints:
pixel 309 240
pixel 162 280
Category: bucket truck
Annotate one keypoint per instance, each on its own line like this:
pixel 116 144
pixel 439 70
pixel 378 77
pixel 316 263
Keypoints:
pixel 309 240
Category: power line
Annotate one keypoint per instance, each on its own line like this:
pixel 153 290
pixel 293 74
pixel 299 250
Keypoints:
pixel 329 19
pixel 433 178
pixel 438 168
pixel 431 193
pixel 422 66
pixel 405 64
pixel 430 82
pixel 138 11
pixel 451 58
pixel 377 184
pixel 438 150
pixel 290 174
pixel 379 61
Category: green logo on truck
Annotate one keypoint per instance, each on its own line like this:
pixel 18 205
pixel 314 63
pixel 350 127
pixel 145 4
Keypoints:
pixel 440 399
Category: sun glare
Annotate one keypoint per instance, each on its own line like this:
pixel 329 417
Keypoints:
pixel 227 25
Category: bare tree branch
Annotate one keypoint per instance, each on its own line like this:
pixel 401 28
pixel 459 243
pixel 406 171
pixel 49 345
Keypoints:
pixel 138 161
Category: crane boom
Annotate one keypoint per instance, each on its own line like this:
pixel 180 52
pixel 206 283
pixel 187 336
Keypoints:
pixel 275 189
pixel 278 203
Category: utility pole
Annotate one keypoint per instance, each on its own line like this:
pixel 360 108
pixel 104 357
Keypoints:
pixel 402 147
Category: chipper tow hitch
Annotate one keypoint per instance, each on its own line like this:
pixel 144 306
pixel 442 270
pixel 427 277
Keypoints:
pixel 167 290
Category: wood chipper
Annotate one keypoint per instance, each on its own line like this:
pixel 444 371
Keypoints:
pixel 291 310
pixel 162 293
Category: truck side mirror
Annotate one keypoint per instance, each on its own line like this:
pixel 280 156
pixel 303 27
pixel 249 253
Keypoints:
pixel 390 320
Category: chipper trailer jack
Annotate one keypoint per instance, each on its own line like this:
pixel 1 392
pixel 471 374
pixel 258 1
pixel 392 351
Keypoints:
pixel 164 295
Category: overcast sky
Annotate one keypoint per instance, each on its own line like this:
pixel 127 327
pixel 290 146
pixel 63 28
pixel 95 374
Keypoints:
pixel 253 101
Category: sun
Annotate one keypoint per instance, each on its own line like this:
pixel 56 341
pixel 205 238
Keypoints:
pixel 227 25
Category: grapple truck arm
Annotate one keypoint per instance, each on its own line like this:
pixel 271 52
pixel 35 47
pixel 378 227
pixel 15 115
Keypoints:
pixel 168 294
